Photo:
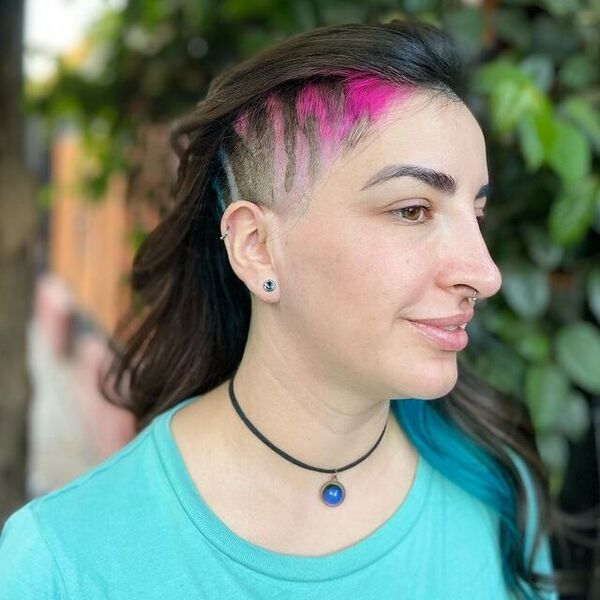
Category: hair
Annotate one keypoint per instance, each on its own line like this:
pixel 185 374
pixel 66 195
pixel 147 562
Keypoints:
pixel 264 132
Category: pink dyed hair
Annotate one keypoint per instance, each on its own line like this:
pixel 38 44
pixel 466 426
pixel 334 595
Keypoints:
pixel 300 132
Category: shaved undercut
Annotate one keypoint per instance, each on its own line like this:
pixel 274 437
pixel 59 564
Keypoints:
pixel 280 146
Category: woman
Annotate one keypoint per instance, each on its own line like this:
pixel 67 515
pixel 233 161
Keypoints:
pixel 304 428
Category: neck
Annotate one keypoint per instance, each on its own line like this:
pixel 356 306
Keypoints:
pixel 322 425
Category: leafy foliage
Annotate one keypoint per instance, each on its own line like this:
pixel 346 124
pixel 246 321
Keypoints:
pixel 536 91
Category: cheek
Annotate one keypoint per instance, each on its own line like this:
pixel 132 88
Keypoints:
pixel 353 284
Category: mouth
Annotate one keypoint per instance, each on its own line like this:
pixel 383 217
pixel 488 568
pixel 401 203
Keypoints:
pixel 449 337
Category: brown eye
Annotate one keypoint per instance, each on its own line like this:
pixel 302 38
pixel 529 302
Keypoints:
pixel 410 213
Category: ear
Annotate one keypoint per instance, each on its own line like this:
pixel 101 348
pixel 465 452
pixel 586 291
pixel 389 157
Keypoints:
pixel 246 245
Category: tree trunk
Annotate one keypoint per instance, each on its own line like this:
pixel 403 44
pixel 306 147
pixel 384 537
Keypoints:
pixel 17 230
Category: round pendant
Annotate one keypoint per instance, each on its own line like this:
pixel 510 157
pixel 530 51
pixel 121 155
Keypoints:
pixel 333 492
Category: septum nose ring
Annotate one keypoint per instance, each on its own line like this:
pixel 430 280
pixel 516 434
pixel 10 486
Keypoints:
pixel 473 298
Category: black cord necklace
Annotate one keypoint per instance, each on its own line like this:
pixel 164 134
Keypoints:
pixel 332 492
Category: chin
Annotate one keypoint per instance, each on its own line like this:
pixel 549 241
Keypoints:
pixel 434 384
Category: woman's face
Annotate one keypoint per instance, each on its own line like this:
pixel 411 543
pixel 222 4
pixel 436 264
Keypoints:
pixel 368 257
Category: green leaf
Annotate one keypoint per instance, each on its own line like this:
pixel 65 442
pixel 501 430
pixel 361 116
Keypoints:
pixel 572 212
pixel 466 25
pixel 491 74
pixel 525 288
pixel 534 347
pixel 532 147
pixel 562 7
pixel 583 114
pixel 524 335
pixel 570 155
pixel 540 248
pixel 552 36
pixel 596 222
pixel 498 320
pixel 578 71
pixel 593 292
pixel 512 93
pixel 501 367
pixel 511 26
pixel 554 451
pixel 541 70
pixel 536 131
pixel 578 352
pixel 508 102
pixel 575 420
pixel 417 6
pixel 546 391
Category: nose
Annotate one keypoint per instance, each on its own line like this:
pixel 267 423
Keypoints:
pixel 467 261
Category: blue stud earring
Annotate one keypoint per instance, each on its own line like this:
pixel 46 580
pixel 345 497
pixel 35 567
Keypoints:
pixel 269 285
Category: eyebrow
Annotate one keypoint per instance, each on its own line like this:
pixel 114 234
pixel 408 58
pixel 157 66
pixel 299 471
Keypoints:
pixel 436 179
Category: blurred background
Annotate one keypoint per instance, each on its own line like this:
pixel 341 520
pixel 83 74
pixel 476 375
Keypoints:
pixel 88 90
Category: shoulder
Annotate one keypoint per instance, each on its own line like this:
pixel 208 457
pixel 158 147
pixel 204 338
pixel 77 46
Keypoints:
pixel 38 538
pixel 115 480
pixel 28 568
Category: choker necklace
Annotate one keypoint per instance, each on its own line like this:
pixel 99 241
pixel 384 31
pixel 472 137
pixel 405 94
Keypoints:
pixel 332 492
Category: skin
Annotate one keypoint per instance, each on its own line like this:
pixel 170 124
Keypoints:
pixel 330 347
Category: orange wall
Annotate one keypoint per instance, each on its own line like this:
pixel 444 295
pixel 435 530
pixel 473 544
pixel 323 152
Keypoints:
pixel 89 240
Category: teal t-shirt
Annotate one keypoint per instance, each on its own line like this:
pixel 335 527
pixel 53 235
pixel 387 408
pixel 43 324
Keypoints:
pixel 135 528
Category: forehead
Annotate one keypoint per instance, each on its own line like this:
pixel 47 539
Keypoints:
pixel 424 130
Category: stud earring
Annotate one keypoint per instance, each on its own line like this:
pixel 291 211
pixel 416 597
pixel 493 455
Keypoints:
pixel 269 285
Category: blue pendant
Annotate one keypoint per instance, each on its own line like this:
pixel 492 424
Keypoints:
pixel 333 492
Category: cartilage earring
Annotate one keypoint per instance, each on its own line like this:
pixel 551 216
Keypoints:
pixel 269 285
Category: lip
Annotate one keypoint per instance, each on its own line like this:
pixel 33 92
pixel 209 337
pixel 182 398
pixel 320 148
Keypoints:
pixel 447 340
pixel 459 319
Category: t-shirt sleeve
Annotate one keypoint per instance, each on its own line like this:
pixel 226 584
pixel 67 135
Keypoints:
pixel 28 570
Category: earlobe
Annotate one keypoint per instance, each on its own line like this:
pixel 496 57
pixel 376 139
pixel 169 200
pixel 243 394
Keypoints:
pixel 269 285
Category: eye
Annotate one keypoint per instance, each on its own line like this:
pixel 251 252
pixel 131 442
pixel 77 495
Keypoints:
pixel 408 213
pixel 411 214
